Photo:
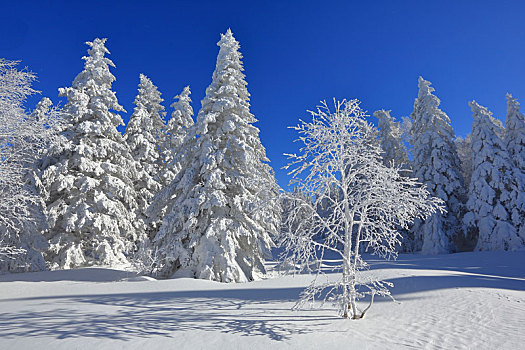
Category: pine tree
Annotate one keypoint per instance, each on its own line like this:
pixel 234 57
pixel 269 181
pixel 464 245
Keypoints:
pixel 493 186
pixel 91 205
pixel 515 133
pixel 144 135
pixel 177 131
pixel 436 164
pixel 394 155
pixel 515 145
pixel 218 226
pixel 464 147
pixel 177 134
pixel 390 136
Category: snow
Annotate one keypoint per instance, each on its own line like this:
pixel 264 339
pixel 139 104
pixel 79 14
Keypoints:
pixel 467 300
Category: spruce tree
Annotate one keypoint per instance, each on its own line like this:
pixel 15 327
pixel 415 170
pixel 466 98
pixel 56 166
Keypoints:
pixel 493 187
pixel 91 205
pixel 394 154
pixel 177 130
pixel 464 147
pixel 436 163
pixel 515 144
pixel 390 136
pixel 176 135
pixel 225 204
pixel 144 135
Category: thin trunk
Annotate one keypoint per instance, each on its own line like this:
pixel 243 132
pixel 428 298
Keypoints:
pixel 346 270
pixel 354 269
pixel 347 250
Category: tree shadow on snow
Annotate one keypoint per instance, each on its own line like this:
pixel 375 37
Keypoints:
pixel 248 312
pixel 87 274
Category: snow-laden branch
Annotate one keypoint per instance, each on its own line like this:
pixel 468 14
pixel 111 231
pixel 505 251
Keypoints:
pixel 346 200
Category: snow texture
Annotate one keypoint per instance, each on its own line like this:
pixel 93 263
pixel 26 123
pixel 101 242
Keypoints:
pixel 92 201
pixel 436 163
pixel 220 213
pixel 456 301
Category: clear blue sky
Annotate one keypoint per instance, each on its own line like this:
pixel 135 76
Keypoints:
pixel 295 52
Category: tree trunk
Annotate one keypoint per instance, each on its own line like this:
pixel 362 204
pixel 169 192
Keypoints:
pixel 346 297
pixel 349 223
pixel 354 271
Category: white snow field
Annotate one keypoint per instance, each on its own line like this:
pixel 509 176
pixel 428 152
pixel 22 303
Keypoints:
pixel 457 301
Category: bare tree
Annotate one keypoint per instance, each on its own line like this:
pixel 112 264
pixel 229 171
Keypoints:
pixel 340 166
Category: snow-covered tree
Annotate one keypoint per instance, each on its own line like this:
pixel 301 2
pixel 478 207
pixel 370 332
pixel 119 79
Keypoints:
pixel 301 216
pixel 493 187
pixel 144 135
pixel 91 204
pixel 373 202
pixel 224 201
pixel 177 131
pixel 515 132
pixel 515 145
pixel 390 136
pixel 464 147
pixel 436 163
pixel 23 139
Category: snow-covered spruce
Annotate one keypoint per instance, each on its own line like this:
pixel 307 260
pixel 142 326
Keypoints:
pixel 463 145
pixel 91 204
pixel 515 144
pixel 225 206
pixel 144 135
pixel 177 134
pixel 493 187
pixel 515 132
pixel 373 201
pixel 390 136
pixel 436 163
pixel 23 139
pixel 177 130
pixel 395 154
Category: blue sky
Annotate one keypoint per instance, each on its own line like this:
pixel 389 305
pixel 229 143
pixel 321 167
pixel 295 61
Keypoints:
pixel 295 52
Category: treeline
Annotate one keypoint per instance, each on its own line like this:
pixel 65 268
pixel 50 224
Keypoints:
pixel 480 177
pixel 196 197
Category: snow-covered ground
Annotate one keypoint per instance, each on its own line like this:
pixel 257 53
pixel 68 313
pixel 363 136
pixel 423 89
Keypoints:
pixel 458 301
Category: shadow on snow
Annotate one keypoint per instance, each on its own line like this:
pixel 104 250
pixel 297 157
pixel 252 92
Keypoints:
pixel 247 312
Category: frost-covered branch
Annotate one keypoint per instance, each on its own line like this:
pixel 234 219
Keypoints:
pixel 24 138
pixel 364 204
